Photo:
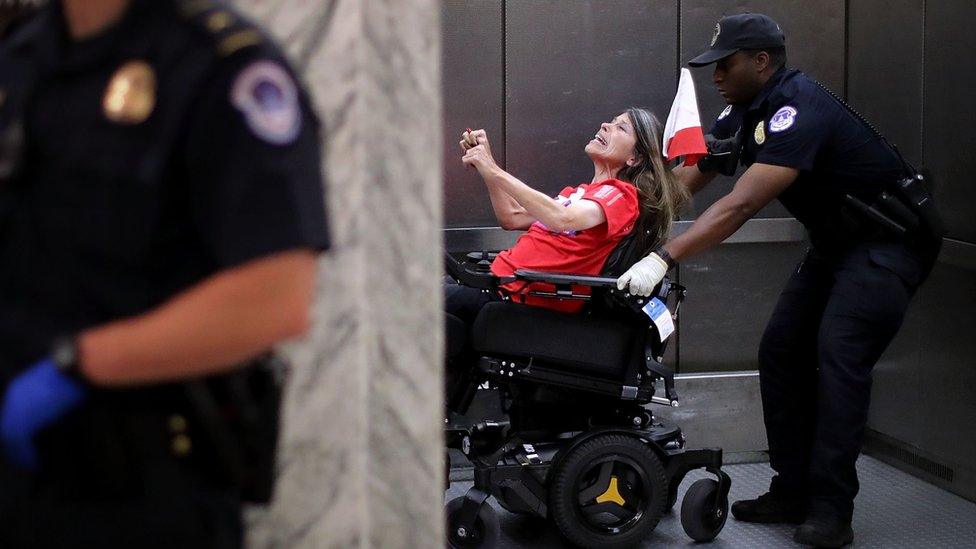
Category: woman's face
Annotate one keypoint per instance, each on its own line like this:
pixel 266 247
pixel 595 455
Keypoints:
pixel 614 143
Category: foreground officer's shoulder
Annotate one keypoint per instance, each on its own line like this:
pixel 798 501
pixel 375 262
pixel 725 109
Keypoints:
pixel 250 74
pixel 230 36
pixel 23 28
pixel 17 21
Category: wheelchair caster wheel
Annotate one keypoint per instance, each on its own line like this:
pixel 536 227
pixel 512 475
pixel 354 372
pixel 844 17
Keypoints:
pixel 484 534
pixel 608 492
pixel 703 513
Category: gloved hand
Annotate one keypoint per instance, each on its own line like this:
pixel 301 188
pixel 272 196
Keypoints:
pixel 723 154
pixel 35 399
pixel 644 275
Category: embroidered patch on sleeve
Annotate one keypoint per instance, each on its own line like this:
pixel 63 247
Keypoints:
pixel 267 96
pixel 782 120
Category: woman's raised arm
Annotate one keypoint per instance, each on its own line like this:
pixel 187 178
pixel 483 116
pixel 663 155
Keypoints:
pixel 509 213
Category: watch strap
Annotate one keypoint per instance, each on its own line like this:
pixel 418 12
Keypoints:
pixel 663 254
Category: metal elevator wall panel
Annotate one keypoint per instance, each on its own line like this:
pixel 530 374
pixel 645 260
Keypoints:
pixel 732 290
pixel 885 39
pixel 572 65
pixel 814 44
pixel 948 136
pixel 472 75
pixel 924 384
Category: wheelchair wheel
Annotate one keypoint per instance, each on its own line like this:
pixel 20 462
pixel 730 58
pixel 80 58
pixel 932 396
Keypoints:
pixel 485 533
pixel 703 515
pixel 608 492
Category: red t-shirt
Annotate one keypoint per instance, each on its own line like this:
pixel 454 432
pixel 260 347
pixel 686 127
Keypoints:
pixel 576 252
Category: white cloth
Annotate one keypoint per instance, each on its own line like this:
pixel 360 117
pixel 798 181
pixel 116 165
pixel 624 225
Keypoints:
pixel 683 130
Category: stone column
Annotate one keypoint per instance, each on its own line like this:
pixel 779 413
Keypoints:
pixel 361 455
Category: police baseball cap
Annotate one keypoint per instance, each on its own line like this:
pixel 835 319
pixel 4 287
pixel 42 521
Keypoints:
pixel 745 31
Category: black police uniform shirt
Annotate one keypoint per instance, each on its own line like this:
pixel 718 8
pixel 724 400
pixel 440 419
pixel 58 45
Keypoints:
pixel 174 145
pixel 795 123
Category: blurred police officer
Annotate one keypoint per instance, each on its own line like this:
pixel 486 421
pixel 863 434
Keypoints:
pixel 874 234
pixel 160 212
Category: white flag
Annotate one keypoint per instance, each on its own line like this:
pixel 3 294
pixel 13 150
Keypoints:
pixel 683 131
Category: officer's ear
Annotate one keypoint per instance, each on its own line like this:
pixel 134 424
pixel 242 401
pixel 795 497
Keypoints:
pixel 761 61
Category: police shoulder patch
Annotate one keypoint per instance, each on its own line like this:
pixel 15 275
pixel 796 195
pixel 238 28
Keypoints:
pixel 783 119
pixel 268 97
pixel 725 112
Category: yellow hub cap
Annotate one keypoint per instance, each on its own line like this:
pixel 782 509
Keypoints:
pixel 612 494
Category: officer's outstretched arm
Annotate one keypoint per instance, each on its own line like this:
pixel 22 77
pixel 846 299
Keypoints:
pixel 692 178
pixel 221 322
pixel 758 186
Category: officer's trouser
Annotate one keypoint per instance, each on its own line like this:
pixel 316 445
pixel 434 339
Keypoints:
pixel 832 322
pixel 176 508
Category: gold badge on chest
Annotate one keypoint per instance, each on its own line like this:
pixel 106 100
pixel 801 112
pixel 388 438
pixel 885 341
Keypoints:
pixel 760 133
pixel 131 93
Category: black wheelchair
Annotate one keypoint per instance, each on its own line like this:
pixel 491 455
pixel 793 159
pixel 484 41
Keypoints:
pixel 579 447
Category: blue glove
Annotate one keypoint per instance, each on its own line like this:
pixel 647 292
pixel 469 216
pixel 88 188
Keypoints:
pixel 35 399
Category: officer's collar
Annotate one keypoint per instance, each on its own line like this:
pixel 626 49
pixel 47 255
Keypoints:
pixel 123 37
pixel 773 81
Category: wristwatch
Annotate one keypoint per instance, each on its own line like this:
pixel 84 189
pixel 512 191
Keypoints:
pixel 64 354
pixel 663 254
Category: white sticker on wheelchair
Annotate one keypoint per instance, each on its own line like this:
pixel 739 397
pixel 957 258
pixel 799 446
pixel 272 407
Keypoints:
pixel 661 316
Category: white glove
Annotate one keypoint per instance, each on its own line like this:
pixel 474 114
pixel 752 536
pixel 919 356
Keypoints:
pixel 644 275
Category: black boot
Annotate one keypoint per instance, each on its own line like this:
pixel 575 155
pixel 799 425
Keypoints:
pixel 770 508
pixel 824 531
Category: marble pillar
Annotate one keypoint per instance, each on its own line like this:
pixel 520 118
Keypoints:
pixel 361 454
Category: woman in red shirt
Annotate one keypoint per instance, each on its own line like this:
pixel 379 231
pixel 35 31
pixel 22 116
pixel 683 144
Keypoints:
pixel 632 188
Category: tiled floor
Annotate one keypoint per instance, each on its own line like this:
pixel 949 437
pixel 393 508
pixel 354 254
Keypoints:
pixel 893 510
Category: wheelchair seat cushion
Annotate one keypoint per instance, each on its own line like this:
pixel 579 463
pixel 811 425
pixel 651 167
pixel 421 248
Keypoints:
pixel 576 342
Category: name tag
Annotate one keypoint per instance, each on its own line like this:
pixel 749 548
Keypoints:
pixel 658 312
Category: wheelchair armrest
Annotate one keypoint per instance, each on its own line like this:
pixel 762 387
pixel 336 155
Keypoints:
pixel 565 279
pixel 565 284
pixel 475 279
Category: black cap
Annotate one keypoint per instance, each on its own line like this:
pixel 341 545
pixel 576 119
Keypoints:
pixel 745 31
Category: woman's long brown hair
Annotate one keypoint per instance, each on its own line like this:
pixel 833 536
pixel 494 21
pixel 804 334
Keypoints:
pixel 660 194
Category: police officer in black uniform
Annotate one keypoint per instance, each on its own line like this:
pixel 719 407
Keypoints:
pixel 161 210
pixel 874 234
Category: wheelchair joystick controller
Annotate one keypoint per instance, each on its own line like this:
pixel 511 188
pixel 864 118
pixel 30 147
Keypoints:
pixel 484 265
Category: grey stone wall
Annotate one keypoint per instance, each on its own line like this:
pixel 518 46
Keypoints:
pixel 360 460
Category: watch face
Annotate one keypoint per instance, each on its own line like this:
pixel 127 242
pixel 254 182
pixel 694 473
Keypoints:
pixel 65 355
